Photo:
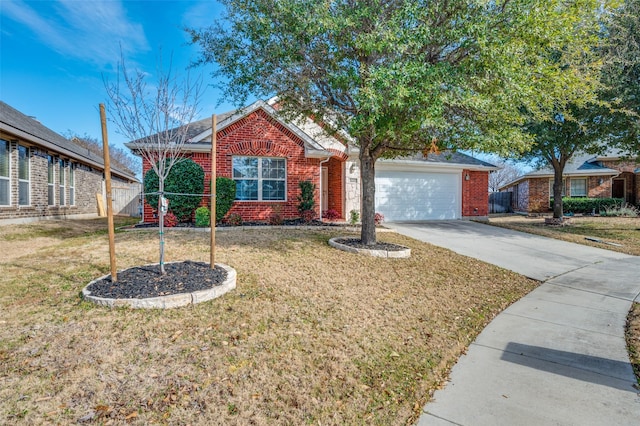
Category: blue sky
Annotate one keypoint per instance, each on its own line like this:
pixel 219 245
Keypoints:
pixel 54 54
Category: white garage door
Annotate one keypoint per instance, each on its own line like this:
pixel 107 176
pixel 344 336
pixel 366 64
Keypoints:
pixel 407 196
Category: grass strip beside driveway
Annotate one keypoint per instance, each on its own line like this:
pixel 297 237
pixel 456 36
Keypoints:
pixel 311 334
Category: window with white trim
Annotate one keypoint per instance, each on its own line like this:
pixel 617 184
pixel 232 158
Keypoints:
pixel 72 184
pixel 24 183
pixel 51 190
pixel 5 193
pixel 260 178
pixel 564 188
pixel 61 188
pixel 579 187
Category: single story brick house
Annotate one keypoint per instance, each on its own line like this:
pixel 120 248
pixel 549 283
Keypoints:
pixel 44 175
pixel 268 156
pixel 586 175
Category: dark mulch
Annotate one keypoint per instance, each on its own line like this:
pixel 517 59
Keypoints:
pixel 357 243
pixel 285 222
pixel 146 281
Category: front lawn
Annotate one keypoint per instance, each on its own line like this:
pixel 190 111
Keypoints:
pixel 311 335
pixel 619 230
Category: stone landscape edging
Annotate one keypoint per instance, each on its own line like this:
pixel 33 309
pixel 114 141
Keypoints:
pixel 169 301
pixel 396 254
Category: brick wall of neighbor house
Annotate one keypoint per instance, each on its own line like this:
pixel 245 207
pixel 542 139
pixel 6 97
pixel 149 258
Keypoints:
pixel 475 193
pixel 539 195
pixel 258 135
pixel 520 196
pixel 88 183
pixel 597 189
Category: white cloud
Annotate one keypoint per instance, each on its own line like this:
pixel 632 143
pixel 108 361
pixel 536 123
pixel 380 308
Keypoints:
pixel 91 31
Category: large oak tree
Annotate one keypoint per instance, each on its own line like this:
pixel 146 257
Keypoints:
pixel 400 76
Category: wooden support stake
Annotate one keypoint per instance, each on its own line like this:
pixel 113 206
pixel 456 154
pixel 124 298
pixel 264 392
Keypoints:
pixel 107 178
pixel 212 219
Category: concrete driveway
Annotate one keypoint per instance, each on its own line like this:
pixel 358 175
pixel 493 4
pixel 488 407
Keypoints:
pixel 555 357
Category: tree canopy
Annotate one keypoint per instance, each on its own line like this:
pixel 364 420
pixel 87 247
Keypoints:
pixel 399 76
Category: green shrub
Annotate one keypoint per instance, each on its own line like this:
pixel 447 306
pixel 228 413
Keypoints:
pixel 354 217
pixel 225 195
pixel 203 217
pixel 185 177
pixel 306 203
pixel 587 205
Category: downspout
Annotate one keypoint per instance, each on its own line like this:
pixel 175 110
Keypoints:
pixel 321 163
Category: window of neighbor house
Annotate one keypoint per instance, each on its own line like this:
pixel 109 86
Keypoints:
pixel 578 187
pixel 260 178
pixel 72 184
pixel 51 162
pixel 5 194
pixel 61 180
pixel 24 183
pixel 564 188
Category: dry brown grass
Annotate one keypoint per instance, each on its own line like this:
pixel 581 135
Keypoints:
pixel 311 335
pixel 619 230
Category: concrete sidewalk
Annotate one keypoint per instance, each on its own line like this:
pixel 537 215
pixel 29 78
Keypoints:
pixel 557 356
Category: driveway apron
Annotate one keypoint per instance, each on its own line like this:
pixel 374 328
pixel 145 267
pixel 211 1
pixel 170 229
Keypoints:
pixel 557 356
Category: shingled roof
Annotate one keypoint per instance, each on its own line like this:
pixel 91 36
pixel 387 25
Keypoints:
pixel 16 123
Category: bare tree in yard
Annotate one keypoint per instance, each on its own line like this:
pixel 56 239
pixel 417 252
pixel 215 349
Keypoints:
pixel 120 158
pixel 507 173
pixel 156 119
pixel 402 76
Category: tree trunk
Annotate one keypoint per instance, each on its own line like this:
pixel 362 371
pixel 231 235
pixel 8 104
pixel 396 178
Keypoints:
pixel 161 223
pixel 557 191
pixel 368 175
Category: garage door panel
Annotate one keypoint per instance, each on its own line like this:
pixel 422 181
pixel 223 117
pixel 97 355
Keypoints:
pixel 406 196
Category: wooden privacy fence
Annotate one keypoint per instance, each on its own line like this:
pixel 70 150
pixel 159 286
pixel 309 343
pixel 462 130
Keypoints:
pixel 125 198
pixel 500 202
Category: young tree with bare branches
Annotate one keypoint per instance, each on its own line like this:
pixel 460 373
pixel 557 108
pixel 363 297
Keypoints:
pixel 156 119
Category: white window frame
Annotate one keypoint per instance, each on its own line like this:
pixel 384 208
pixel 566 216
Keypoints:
pixel 61 181
pixel 27 180
pixel 586 188
pixel 260 179
pixel 72 184
pixel 51 180
pixel 7 178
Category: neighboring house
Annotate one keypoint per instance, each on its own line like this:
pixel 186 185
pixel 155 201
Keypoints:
pixel 268 157
pixel 43 175
pixel 593 176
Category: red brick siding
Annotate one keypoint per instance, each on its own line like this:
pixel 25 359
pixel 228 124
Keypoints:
pixel 258 135
pixel 539 195
pixel 475 193
pixel 335 199
pixel 595 189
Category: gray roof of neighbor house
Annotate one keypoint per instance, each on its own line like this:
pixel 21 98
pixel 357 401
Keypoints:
pixel 24 127
pixel 579 165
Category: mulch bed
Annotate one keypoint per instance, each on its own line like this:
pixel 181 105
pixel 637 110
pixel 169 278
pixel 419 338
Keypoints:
pixel 357 243
pixel 146 281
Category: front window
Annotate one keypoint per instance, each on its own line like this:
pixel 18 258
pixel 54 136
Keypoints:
pixel 260 178
pixel 51 180
pixel 72 185
pixel 23 176
pixel 578 187
pixel 61 181
pixel 4 173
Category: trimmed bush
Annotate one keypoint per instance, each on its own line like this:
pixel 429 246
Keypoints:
pixel 234 219
pixel 378 218
pixel 170 220
pixel 225 195
pixel 306 203
pixel 203 216
pixel 331 214
pixel 185 177
pixel 588 205
pixel 354 217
